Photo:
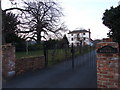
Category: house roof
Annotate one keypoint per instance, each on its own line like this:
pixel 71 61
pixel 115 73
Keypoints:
pixel 78 31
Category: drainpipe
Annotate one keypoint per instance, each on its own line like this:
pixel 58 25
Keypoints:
pixel 89 35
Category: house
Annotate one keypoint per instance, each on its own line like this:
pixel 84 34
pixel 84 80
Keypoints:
pixel 80 37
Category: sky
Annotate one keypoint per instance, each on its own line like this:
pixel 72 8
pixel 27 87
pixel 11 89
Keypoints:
pixel 83 14
pixel 87 14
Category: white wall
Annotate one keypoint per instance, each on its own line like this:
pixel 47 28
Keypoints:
pixel 75 38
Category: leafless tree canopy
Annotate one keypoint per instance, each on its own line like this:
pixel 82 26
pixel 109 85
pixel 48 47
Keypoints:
pixel 41 16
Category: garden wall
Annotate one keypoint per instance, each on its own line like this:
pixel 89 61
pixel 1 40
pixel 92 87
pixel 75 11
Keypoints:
pixel 108 75
pixel 8 60
pixel 28 64
pixel 12 66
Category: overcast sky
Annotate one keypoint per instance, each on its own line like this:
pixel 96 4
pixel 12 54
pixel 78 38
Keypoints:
pixel 83 14
pixel 87 14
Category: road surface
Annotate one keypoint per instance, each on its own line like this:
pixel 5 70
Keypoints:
pixel 60 75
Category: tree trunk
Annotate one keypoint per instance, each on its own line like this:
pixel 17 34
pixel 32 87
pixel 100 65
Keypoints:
pixel 39 37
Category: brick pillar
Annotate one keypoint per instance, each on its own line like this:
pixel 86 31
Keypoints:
pixel 8 61
pixel 107 66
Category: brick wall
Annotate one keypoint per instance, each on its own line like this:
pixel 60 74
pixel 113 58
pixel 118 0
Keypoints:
pixel 107 67
pixel 107 40
pixel 12 66
pixel 8 60
pixel 28 64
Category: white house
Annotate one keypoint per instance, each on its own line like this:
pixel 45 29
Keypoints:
pixel 80 37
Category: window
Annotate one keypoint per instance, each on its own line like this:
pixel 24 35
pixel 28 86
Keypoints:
pixel 71 34
pixel 84 38
pixel 83 33
pixel 77 44
pixel 72 39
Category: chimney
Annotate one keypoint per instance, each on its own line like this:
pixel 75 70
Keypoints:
pixel 89 34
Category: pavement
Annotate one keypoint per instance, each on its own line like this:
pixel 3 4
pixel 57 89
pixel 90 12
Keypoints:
pixel 61 75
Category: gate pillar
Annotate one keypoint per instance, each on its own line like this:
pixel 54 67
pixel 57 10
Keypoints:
pixel 107 64
pixel 8 61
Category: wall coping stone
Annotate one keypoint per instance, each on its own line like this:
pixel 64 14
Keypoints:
pixel 42 56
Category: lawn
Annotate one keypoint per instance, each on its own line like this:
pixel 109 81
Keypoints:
pixel 55 55
pixel 58 55
pixel 30 54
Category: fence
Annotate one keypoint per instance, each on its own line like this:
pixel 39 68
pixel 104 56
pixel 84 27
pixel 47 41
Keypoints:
pixel 16 62
pixel 53 53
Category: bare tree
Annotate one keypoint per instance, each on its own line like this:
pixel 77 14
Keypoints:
pixel 41 16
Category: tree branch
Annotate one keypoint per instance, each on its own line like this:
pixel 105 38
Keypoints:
pixel 14 9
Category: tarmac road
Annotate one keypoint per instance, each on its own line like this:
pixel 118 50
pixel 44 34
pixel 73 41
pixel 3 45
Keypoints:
pixel 60 75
